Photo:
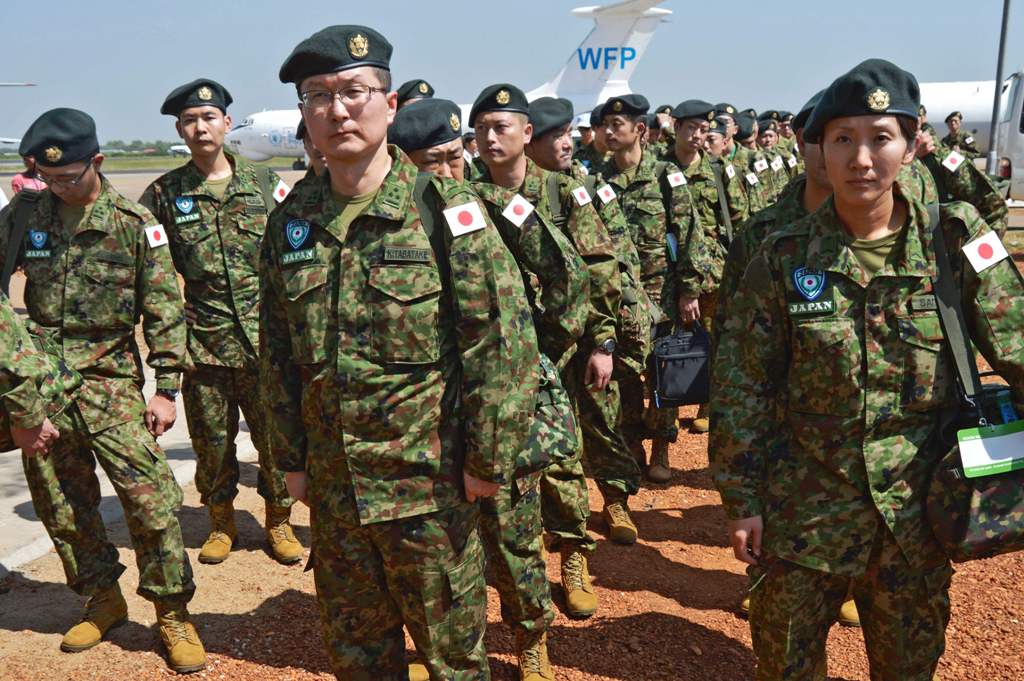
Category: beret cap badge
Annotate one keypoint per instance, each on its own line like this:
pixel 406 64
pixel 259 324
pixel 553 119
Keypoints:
pixel 503 97
pixel 358 46
pixel 204 93
pixel 53 154
pixel 711 115
pixel 423 88
pixel 878 99
pixel 617 106
pixel 453 121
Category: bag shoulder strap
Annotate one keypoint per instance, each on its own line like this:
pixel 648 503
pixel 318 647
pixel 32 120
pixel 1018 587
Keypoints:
pixel 22 209
pixel 954 324
pixel 554 196
pixel 266 189
pixel 428 215
pixel 723 204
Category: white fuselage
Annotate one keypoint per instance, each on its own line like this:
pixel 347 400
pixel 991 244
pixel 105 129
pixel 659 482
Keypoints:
pixel 267 134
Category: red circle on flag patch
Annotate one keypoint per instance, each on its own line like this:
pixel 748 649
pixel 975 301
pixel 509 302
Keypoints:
pixel 985 251
pixel 280 192
pixel 465 218
pixel 156 235
pixel 518 210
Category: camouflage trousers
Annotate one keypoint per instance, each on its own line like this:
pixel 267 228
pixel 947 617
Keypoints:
pixel 213 396
pixel 66 496
pixel 642 421
pixel 903 613
pixel 512 534
pixel 565 500
pixel 426 572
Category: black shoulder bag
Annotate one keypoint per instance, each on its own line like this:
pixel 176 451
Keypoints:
pixel 680 367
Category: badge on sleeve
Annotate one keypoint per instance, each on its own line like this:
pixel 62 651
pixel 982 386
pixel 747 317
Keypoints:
pixel 281 191
pixel 954 161
pixel 676 179
pixel 810 285
pixel 792 162
pixel 606 193
pixel 185 205
pixel 760 165
pixel 297 233
pixel 968 140
pixel 752 179
pixel 517 210
pixel 985 251
pixel 730 172
pixel 777 163
pixel 581 195
pixel 156 236
pixel 465 218
pixel 38 240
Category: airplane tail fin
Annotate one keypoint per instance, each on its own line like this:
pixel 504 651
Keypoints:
pixel 603 63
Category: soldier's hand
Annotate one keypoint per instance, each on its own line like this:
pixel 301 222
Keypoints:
pixel 745 535
pixel 36 440
pixel 925 144
pixel 599 370
pixel 295 481
pixel 160 415
pixel 475 487
pixel 689 310
pixel 190 314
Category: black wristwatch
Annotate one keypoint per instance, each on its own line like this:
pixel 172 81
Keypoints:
pixel 607 347
pixel 172 395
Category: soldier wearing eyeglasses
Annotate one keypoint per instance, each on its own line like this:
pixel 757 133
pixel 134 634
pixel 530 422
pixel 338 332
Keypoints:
pixel 95 263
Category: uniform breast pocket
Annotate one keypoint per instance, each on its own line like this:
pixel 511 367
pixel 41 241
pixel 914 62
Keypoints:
pixel 201 251
pixel 308 301
pixel 109 292
pixel 403 304
pixel 925 380
pixel 825 368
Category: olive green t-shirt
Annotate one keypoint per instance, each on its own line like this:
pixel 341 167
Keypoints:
pixel 73 216
pixel 872 254
pixel 352 206
pixel 219 187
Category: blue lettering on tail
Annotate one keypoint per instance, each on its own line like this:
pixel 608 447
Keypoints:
pixel 604 57
pixel 628 54
pixel 589 57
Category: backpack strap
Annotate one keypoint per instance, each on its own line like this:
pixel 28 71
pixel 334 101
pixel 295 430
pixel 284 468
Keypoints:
pixel 554 196
pixel 264 175
pixel 427 208
pixel 723 204
pixel 22 209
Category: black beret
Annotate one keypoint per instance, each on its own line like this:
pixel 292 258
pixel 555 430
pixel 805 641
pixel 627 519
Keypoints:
pixel 770 114
pixel 200 92
pixel 785 115
pixel 954 114
pixel 595 116
pixel 414 89
pixel 871 88
pixel 764 124
pixel 725 108
pixel 300 131
pixel 717 125
pixel 694 108
pixel 60 137
pixel 651 120
pixel 550 113
pixel 800 120
pixel 625 105
pixel 745 125
pixel 334 49
pixel 470 134
pixel 499 97
pixel 664 109
pixel 424 124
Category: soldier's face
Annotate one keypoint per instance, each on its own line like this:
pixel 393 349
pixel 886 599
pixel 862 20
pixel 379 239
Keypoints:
pixel 622 132
pixel 470 146
pixel 445 159
pixel 502 136
pixel 690 134
pixel 586 135
pixel 814 162
pixel 767 138
pixel 203 129
pixel 714 143
pixel 76 184
pixel 349 133
pixel 600 139
pixel 954 125
pixel 862 156
pixel 552 150
pixel 785 130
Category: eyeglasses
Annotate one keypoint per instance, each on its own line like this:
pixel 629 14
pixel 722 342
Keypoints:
pixel 353 96
pixel 63 182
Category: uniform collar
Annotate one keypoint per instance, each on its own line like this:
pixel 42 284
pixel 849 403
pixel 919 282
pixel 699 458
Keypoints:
pixel 243 179
pixel 98 214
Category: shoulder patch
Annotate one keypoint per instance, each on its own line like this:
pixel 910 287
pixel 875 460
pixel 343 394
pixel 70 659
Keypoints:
pixel 954 161
pixel 281 191
pixel 676 179
pixel 156 236
pixel 752 179
pixel 792 162
pixel 985 251
pixel 517 210
pixel 581 195
pixel 730 172
pixel 606 194
pixel 760 165
pixel 465 218
pixel 777 163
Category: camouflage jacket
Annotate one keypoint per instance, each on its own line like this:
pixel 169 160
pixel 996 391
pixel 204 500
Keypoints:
pixel 963 181
pixel 215 245
pixel 675 257
pixel 554 275
pixel 770 166
pixel 389 370
pixel 86 290
pixel 589 157
pixel 756 191
pixel 859 371
pixel 963 142
pixel 580 222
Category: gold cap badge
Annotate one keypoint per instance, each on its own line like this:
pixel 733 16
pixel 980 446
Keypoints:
pixel 878 99
pixel 423 88
pixel 617 106
pixel 730 110
pixel 453 120
pixel 711 115
pixel 53 154
pixel 503 97
pixel 204 93
pixel 358 46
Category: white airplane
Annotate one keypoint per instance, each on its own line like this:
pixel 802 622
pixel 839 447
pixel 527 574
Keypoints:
pixel 9 145
pixel 179 150
pixel 599 68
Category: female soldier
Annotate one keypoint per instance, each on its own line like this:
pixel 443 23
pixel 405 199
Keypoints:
pixel 835 330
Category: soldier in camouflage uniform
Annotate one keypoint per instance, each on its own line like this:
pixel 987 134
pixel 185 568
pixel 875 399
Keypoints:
pixel 214 209
pixel 960 140
pixel 676 261
pixel 94 263
pixel 768 161
pixel 739 149
pixel 924 125
pixel 500 118
pixel 840 343
pixel 592 155
pixel 393 321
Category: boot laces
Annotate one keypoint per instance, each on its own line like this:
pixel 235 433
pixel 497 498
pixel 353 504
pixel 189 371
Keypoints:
pixel 279 532
pixel 175 627
pixel 530 660
pixel 618 514
pixel 572 571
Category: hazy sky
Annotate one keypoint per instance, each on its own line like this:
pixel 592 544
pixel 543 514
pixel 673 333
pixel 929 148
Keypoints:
pixel 118 59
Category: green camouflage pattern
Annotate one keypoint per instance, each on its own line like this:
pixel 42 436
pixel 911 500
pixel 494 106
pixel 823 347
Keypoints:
pixel 215 246
pixel 364 333
pixel 773 178
pixel 859 377
pixel 424 572
pixel 589 157
pixel 966 182
pixel 86 290
pixel 66 497
pixel 757 192
pixel 963 142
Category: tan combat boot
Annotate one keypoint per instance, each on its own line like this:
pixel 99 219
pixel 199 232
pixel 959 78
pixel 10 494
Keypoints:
pixel 580 599
pixel 418 672
pixel 284 546
pixel 185 653
pixel 222 534
pixel 621 529
pixel 701 424
pixel 659 471
pixel 103 611
pixel 534 664
pixel 848 615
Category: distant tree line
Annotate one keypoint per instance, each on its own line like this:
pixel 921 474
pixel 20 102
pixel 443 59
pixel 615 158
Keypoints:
pixel 158 147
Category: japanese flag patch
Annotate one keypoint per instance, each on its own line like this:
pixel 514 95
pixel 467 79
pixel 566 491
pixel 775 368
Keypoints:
pixel 968 140
pixel 760 165
pixel 752 179
pixel 606 193
pixel 465 218
pixel 954 161
pixel 792 162
pixel 281 191
pixel 730 171
pixel 777 163
pixel 156 236
pixel 985 251
pixel 517 210
pixel 676 179
pixel 581 195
